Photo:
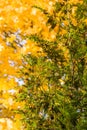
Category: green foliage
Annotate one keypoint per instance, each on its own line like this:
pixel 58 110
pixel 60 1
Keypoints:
pixel 49 103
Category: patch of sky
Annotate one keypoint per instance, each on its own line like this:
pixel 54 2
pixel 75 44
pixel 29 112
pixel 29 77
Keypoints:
pixel 19 81
pixel 11 91
pixel 43 114
pixel 12 63
pixel 10 77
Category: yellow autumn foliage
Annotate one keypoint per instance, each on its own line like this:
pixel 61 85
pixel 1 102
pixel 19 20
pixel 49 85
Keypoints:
pixel 17 17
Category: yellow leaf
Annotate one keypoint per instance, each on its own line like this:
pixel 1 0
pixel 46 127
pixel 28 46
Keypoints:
pixel 11 38
pixel 74 22
pixel 85 21
pixel 44 88
pixel 62 32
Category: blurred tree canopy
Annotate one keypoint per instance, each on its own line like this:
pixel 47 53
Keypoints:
pixel 55 77
pixel 43 64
